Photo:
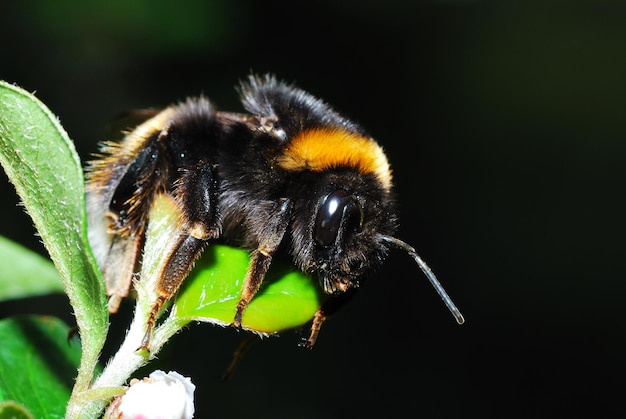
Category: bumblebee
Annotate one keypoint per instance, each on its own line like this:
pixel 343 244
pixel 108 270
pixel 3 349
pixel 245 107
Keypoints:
pixel 291 176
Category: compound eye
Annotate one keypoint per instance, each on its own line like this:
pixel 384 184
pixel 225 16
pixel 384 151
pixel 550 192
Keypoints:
pixel 338 209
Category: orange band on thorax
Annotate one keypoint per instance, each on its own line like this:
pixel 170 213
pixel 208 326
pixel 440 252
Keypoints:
pixel 324 148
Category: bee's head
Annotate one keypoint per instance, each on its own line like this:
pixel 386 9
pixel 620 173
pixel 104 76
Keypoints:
pixel 350 236
pixel 345 233
pixel 339 220
pixel 337 225
pixel 349 233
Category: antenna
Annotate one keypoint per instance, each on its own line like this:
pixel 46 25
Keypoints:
pixel 429 274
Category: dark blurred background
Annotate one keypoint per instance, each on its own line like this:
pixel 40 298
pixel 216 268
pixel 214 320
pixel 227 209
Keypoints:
pixel 504 123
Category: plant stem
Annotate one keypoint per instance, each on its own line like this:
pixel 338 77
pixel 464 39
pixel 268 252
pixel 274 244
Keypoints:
pixel 128 358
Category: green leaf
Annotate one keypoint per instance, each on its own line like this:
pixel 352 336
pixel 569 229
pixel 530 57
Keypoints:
pixel 41 162
pixel 287 298
pixel 24 273
pixel 37 365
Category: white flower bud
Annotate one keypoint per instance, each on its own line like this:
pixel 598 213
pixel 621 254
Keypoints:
pixel 160 396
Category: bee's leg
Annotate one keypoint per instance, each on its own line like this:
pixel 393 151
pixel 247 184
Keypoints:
pixel 261 258
pixel 195 193
pixel 196 197
pixel 327 309
pixel 184 253
pixel 119 269
pixel 238 355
